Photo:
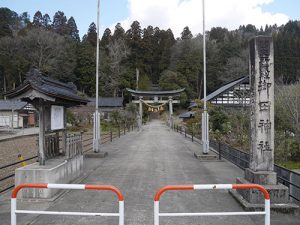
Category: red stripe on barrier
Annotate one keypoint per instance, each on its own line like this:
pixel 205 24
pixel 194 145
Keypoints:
pixel 106 188
pixel 252 186
pixel 172 188
pixel 15 191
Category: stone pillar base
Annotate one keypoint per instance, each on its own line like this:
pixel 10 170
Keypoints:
pixel 261 177
pixel 95 155
pixel 206 157
pixel 252 200
pixel 278 193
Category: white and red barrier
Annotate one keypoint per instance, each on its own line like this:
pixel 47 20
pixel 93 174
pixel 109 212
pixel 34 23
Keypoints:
pixel 14 194
pixel 158 194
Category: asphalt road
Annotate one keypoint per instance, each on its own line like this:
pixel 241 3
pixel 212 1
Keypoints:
pixel 139 164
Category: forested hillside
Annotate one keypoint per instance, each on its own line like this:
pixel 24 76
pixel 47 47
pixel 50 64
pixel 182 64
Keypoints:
pixel 55 47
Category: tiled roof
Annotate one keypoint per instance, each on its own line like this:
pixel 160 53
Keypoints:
pixel 186 115
pixel 8 105
pixel 108 101
pixel 49 87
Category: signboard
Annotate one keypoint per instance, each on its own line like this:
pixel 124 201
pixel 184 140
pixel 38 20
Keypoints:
pixel 57 117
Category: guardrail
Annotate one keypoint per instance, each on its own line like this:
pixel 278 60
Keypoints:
pixel 241 159
pixel 14 194
pixel 158 194
pixel 74 145
pixel 11 175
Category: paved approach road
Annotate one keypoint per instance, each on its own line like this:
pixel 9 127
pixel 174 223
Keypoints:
pixel 139 164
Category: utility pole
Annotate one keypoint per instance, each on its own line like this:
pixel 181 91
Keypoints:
pixel 205 119
pixel 96 135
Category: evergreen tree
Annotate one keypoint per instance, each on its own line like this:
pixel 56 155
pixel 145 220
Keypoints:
pixel 72 29
pixel 59 23
pixel 119 32
pixel 106 38
pixel 91 36
pixel 85 70
pixel 7 18
pixel 133 38
pixel 186 34
pixel 46 21
pixel 37 19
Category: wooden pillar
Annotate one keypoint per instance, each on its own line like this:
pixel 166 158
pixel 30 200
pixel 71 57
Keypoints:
pixel 42 134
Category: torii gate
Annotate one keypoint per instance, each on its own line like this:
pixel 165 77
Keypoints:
pixel 155 97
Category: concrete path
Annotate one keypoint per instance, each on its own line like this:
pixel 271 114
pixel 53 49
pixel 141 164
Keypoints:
pixel 139 164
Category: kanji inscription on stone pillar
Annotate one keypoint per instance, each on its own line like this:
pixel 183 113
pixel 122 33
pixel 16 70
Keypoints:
pixel 262 103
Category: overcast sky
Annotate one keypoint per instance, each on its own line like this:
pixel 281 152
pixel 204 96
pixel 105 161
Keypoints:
pixel 174 14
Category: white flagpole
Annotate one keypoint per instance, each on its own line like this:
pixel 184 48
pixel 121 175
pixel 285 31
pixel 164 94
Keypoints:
pixel 96 141
pixel 205 123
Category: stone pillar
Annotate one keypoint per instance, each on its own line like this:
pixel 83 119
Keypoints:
pixel 262 111
pixel 170 111
pixel 140 112
pixel 260 171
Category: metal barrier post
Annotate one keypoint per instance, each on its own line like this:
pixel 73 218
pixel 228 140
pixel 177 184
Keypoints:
pixel 266 212
pixel 13 216
pixel 111 136
pixel 15 191
pixel 119 131
pixel 184 132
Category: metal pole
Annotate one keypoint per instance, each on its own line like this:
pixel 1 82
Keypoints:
pixel 205 136
pixel 97 116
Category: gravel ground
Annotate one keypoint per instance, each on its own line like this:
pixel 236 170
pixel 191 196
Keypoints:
pixel 9 151
pixel 26 146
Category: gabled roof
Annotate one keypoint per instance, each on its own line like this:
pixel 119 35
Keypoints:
pixel 226 87
pixel 49 87
pixel 155 93
pixel 192 105
pixel 8 105
pixel 187 115
pixel 108 101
